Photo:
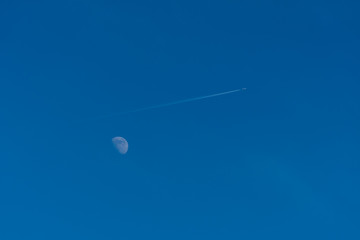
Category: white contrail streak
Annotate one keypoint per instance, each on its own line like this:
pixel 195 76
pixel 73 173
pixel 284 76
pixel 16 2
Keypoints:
pixel 172 103
pixel 184 101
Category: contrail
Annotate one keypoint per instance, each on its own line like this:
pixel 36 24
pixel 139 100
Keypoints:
pixel 184 101
pixel 171 103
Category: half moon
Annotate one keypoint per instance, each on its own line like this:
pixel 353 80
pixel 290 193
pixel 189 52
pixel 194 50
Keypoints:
pixel 121 144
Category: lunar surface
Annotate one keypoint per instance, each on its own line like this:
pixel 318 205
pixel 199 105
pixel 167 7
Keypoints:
pixel 120 144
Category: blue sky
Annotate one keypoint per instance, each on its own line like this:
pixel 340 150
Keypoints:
pixel 279 161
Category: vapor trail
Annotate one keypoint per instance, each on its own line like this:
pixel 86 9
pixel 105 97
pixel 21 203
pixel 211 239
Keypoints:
pixel 172 103
pixel 184 101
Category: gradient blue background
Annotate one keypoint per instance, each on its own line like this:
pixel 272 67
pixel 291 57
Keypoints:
pixel 279 161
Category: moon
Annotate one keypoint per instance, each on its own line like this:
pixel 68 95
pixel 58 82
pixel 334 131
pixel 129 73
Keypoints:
pixel 121 144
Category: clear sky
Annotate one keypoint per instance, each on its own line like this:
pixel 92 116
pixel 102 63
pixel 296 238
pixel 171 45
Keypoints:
pixel 278 161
